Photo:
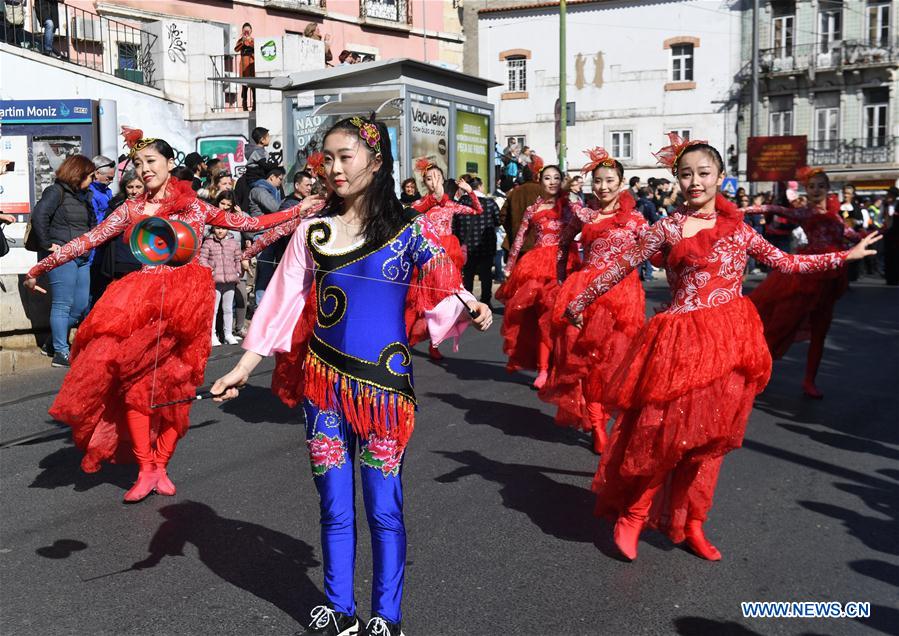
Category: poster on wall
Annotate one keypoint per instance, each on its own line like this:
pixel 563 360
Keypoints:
pixel 14 186
pixel 430 136
pixel 472 144
pixel 775 158
pixel 230 150
pixel 308 137
pixel 49 153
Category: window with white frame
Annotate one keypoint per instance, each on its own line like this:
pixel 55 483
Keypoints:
pixel 782 35
pixel 516 74
pixel 622 144
pixel 827 120
pixel 684 133
pixel 682 63
pixel 879 23
pixel 780 120
pixel 877 105
pixel 830 25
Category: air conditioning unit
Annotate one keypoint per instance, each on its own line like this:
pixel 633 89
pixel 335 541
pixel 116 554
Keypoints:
pixel 86 29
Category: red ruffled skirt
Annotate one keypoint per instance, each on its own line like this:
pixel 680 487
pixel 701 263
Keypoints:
pixel 786 303
pixel 288 378
pixel 529 295
pixel 146 341
pixel 453 249
pixel 416 326
pixel 585 359
pixel 685 390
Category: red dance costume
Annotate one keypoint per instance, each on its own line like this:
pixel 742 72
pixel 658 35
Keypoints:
pixel 440 213
pixel 686 386
pixel 585 359
pixel 795 308
pixel 145 341
pixel 530 291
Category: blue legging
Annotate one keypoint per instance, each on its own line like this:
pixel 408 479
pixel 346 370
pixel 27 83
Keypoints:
pixel 332 447
pixel 70 288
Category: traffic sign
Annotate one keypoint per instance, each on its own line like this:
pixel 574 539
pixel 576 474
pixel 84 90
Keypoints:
pixel 729 186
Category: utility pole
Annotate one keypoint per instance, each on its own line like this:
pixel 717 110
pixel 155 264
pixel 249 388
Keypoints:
pixel 754 105
pixel 563 97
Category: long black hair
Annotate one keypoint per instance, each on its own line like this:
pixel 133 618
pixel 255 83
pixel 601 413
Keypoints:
pixel 383 215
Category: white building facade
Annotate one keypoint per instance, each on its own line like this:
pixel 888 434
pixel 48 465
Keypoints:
pixel 635 71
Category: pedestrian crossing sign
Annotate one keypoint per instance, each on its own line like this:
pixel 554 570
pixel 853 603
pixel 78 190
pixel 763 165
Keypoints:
pixel 729 186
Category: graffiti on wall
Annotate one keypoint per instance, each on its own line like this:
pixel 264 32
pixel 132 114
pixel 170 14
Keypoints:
pixel 230 149
pixel 177 44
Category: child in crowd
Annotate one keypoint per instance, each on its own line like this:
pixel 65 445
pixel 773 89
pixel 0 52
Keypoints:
pixel 221 254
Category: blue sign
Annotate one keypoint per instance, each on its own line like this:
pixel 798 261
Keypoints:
pixel 729 186
pixel 46 111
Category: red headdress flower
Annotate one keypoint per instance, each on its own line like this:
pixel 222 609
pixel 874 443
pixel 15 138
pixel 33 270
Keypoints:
pixel 598 157
pixel 315 163
pixel 537 164
pixel 423 164
pixel 805 173
pixel 669 155
pixel 135 140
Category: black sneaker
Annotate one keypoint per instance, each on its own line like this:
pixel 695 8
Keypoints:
pixel 60 360
pixel 326 622
pixel 378 626
pixel 47 348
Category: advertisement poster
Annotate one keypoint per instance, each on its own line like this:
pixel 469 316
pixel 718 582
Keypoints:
pixel 49 153
pixel 14 186
pixel 775 158
pixel 308 135
pixel 472 144
pixel 430 136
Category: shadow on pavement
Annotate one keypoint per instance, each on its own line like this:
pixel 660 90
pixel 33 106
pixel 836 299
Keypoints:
pixel 61 549
pixel 698 626
pixel 62 468
pixel 257 405
pixel 266 563
pixel 560 510
pixel 842 441
pixel 513 419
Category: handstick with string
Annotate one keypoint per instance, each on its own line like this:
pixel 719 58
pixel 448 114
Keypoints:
pixel 201 395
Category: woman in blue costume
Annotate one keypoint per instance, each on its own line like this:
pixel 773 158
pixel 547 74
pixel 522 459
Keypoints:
pixel 357 258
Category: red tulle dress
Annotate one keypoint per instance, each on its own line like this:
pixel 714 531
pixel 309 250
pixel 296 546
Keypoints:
pixel 585 359
pixel 788 304
pixel 686 385
pixel 146 340
pixel 529 293
pixel 440 213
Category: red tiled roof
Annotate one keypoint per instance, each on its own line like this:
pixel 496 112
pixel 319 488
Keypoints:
pixel 536 5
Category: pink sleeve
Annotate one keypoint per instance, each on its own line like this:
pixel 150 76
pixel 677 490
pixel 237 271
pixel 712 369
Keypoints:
pixel 448 319
pixel 275 318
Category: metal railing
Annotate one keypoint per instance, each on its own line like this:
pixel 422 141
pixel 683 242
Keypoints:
pixel 90 40
pixel 225 95
pixel 296 4
pixel 835 55
pixel 852 151
pixel 399 11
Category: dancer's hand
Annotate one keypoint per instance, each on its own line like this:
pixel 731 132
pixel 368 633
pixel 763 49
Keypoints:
pixel 464 186
pixel 311 202
pixel 484 317
pixel 575 319
pixel 226 387
pixel 31 283
pixel 861 248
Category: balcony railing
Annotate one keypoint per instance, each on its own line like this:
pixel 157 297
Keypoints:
pixel 852 151
pixel 399 11
pixel 225 94
pixel 833 56
pixel 92 41
pixel 311 6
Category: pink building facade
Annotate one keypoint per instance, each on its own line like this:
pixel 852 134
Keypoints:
pixel 425 30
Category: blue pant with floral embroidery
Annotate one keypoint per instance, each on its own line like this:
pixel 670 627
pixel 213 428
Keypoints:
pixel 332 448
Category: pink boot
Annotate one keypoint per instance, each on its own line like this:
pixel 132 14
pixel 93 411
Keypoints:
pixel 145 484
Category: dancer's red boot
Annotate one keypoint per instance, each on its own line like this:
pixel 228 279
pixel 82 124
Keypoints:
pixel 138 425
pixel 145 484
pixel 697 542
pixel 165 446
pixel 630 524
pixel 598 419
pixel 540 381
pixel 434 354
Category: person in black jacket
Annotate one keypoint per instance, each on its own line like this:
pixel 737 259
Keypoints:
pixel 63 213
pixel 477 233
pixel 48 15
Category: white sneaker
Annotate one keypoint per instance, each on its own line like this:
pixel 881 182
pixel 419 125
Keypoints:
pixel 215 342
pixel 231 338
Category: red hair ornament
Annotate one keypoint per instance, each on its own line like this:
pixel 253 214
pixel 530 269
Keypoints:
pixel 670 154
pixel 598 157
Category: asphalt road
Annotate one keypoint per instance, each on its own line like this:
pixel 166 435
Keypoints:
pixel 498 511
